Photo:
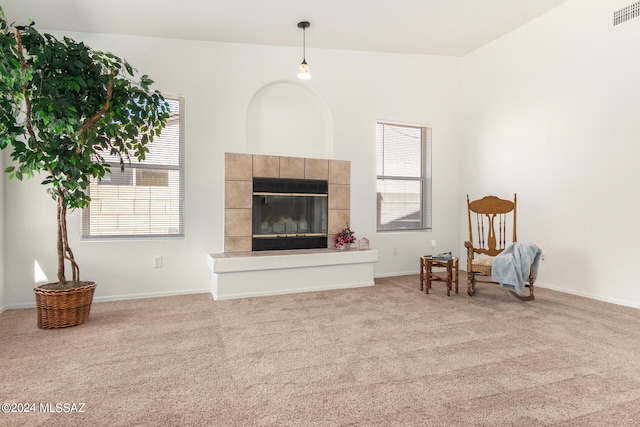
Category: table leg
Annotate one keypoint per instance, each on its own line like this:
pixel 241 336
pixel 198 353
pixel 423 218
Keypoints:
pixel 456 277
pixel 421 273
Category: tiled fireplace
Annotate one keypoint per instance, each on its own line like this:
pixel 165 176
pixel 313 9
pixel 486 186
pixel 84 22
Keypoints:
pixel 240 272
pixel 240 171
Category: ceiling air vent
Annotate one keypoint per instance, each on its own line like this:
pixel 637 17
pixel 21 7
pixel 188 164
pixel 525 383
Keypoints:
pixel 626 13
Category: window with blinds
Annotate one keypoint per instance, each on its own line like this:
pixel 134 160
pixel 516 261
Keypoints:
pixel 403 168
pixel 147 199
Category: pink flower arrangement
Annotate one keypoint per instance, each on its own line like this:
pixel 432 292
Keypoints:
pixel 344 237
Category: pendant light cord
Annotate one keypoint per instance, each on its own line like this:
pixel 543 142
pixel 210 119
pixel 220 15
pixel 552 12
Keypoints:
pixel 304 44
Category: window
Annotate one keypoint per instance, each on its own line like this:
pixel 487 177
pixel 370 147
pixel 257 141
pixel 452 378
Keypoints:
pixel 147 199
pixel 403 169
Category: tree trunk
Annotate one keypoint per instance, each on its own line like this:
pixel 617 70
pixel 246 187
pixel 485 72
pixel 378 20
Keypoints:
pixel 60 217
pixel 64 251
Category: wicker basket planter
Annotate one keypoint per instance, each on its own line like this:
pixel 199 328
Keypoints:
pixel 60 308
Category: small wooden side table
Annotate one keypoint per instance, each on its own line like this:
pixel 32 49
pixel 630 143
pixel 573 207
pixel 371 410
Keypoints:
pixel 427 275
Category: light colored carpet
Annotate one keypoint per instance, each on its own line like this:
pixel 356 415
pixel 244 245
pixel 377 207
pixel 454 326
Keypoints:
pixel 383 355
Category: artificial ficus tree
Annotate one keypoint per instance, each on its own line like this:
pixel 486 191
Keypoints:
pixel 63 105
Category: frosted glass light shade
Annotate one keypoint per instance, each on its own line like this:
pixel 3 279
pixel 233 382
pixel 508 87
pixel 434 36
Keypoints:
pixel 303 72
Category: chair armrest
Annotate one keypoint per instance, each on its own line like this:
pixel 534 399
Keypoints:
pixel 468 245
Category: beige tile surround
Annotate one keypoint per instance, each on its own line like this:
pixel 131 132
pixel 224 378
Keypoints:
pixel 239 172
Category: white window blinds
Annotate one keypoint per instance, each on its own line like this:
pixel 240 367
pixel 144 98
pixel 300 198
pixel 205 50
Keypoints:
pixel 147 199
pixel 403 177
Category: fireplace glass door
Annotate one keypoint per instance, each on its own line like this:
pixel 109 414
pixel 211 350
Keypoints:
pixel 289 221
pixel 289 214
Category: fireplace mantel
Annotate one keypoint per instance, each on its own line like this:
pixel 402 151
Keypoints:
pixel 252 274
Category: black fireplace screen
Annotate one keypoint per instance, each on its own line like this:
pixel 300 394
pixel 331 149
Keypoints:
pixel 289 214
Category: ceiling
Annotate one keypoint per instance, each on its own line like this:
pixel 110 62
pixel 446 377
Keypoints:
pixel 436 27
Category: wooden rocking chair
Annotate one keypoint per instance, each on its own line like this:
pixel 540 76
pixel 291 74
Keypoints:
pixel 489 212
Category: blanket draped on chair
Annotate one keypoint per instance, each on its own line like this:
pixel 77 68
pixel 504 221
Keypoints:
pixel 511 268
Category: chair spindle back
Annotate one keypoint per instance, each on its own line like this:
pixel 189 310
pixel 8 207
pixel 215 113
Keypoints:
pixel 486 211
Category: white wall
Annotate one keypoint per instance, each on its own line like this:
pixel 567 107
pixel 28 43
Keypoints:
pixel 552 112
pixel 218 81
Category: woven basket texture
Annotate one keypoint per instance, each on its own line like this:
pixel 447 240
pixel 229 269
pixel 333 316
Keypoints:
pixel 63 308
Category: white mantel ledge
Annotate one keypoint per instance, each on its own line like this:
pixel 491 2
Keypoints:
pixel 250 274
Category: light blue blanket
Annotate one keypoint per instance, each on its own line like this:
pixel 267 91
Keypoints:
pixel 511 267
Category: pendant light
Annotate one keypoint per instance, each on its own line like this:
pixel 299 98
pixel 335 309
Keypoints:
pixel 303 72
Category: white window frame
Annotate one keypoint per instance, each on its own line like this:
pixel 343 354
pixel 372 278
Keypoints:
pixel 145 165
pixel 424 180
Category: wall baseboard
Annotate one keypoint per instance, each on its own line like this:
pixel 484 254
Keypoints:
pixel 615 301
pixel 120 297
pixel 152 295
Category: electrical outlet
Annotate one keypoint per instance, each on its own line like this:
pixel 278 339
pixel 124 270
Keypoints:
pixel 395 251
pixel 543 257
pixel 157 261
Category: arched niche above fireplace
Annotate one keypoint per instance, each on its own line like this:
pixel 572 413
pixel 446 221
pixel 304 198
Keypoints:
pixel 289 119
